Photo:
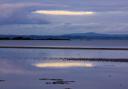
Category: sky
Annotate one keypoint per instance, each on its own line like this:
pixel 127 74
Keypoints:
pixel 55 17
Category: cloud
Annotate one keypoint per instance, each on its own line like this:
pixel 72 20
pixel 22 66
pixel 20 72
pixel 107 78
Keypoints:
pixel 63 12
pixel 62 17
pixel 20 13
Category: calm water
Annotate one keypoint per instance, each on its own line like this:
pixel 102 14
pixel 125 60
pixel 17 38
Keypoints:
pixel 75 43
pixel 22 68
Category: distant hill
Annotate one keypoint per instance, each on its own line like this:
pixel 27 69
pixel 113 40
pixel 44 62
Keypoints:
pixel 73 36
pixel 92 35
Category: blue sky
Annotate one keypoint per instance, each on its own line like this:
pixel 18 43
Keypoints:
pixel 44 17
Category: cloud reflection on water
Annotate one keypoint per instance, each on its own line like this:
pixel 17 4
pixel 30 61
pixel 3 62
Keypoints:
pixel 63 64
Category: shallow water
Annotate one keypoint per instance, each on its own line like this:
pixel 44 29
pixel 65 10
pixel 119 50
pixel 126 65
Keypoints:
pixel 73 43
pixel 23 69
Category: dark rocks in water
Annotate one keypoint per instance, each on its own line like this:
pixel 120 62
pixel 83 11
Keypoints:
pixel 67 88
pixel 63 82
pixel 70 81
pixel 56 81
pixel 43 79
pixel 59 82
pixel 2 80
pixel 51 79
pixel 48 83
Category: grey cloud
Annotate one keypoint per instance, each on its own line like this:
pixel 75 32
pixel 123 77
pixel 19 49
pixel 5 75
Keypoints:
pixel 110 17
pixel 21 14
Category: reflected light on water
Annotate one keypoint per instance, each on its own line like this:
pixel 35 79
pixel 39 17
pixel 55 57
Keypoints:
pixel 63 12
pixel 63 64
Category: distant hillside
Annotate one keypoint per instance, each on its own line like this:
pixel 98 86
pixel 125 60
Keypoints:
pixel 92 35
pixel 73 36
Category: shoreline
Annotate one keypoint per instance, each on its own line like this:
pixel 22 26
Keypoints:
pixel 63 47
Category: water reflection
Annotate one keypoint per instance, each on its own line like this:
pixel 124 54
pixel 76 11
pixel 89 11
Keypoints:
pixel 63 64
pixel 22 69
pixel 11 67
